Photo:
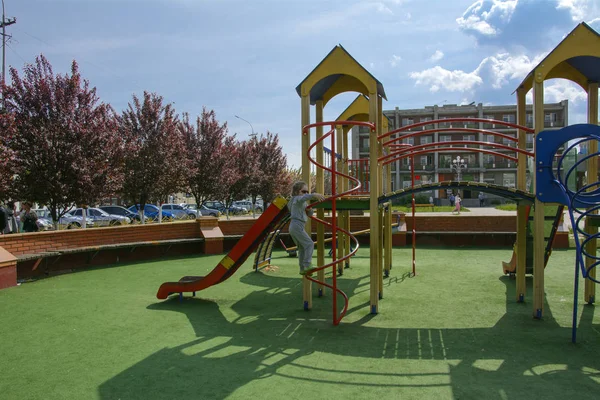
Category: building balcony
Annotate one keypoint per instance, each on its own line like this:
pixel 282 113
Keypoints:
pixel 501 165
pixel 554 124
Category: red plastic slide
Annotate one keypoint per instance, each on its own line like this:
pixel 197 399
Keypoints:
pixel 235 258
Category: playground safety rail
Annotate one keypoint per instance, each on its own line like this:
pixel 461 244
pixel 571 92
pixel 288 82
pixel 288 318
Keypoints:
pixel 585 201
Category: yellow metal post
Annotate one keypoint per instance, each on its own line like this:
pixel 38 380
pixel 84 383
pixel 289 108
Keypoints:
pixel 521 285
pixel 592 176
pixel 320 188
pixel 374 205
pixel 538 217
pixel 305 120
pixel 379 193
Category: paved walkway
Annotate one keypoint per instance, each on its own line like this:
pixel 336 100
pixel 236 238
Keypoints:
pixel 474 211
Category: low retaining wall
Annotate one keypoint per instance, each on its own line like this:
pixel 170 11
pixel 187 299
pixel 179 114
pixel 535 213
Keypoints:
pixel 217 236
pixel 53 242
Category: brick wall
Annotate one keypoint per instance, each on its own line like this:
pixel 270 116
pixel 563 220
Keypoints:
pixel 72 238
pixel 464 223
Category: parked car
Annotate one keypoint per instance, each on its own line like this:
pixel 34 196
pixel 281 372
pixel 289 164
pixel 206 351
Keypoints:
pixel 151 211
pixel 101 217
pixel 203 210
pixel 178 211
pixel 44 221
pixel 122 211
pixel 247 204
pixel 217 205
pixel 67 221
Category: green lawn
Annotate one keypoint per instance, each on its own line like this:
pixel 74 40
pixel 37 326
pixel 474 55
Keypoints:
pixel 506 207
pixel 452 332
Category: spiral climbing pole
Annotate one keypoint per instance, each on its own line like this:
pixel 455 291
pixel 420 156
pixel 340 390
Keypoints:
pixel 557 183
pixel 331 166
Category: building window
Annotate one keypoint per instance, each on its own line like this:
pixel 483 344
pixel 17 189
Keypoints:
pixel 470 159
pixel 488 160
pixel 426 160
pixel 508 180
pixel 445 160
pixel 507 141
pixel 445 138
pixel 489 177
pixel 529 138
pixel 489 138
pixel 364 144
pixel 470 138
pixel 407 121
pixel 426 139
pixel 550 117
pixel 363 129
pixel 410 140
pixel 510 118
pixel 529 118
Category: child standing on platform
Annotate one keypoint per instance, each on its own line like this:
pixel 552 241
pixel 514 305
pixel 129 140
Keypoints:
pixel 297 206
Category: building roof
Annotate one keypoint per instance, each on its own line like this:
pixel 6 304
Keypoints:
pixel 319 90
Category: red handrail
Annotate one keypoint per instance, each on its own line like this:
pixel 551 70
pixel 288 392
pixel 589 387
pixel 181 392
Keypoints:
pixel 333 224
pixel 402 154
pixel 436 121
pixel 464 149
pixel 455 130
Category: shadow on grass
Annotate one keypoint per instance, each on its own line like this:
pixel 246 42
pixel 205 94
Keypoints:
pixel 268 336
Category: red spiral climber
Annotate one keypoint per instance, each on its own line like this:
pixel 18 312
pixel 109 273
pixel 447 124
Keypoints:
pixel 333 225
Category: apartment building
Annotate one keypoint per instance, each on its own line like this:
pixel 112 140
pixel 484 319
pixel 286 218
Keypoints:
pixel 438 166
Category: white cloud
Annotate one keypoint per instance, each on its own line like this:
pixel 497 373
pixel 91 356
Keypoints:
pixel 556 90
pixel 502 67
pixel 581 9
pixel 496 70
pixel 395 59
pixel 439 78
pixel 484 16
pixel 437 56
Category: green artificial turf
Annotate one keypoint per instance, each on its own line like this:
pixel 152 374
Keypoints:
pixel 452 332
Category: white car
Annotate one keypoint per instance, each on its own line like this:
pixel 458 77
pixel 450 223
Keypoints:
pixel 101 217
pixel 247 205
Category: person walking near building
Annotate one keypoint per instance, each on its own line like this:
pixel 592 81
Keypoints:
pixel 457 201
pixel 481 199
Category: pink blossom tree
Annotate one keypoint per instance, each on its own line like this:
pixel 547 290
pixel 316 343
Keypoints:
pixel 7 130
pixel 65 144
pixel 208 153
pixel 154 160
pixel 272 177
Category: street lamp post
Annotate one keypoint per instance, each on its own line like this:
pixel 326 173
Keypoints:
pixel 458 165
pixel 248 122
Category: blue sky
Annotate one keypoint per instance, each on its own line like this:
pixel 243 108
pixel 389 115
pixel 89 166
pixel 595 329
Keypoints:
pixel 246 57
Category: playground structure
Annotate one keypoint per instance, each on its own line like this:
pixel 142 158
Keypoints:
pixel 576 58
pixel 365 184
